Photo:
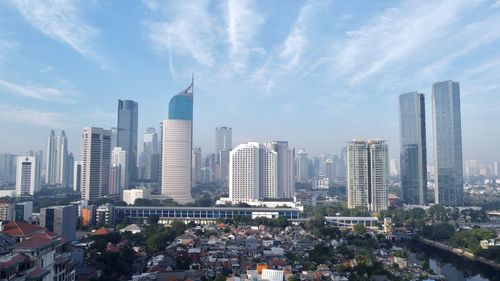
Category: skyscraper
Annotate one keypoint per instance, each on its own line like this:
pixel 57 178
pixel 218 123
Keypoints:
pixel 367 174
pixel 196 162
pixel 330 170
pixel 253 173
pixel 28 175
pixel 96 163
pixel 447 140
pixel 119 175
pixel 51 160
pixel 62 161
pixel 150 153
pixel 177 147
pixel 77 175
pixel 285 168
pixel 126 135
pixel 302 166
pixel 413 155
pixel 8 166
pixel 496 170
pixel 223 142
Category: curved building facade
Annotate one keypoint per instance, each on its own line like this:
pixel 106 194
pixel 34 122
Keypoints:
pixel 177 148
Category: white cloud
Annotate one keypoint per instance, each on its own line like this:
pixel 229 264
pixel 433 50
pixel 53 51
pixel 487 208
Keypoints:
pixel 29 116
pixel 61 20
pixel 242 24
pixel 39 92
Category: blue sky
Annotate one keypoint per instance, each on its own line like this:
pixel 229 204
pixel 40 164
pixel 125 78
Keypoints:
pixel 315 73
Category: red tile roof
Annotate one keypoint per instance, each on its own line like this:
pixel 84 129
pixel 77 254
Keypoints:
pixel 101 231
pixel 34 241
pixel 21 229
pixel 15 259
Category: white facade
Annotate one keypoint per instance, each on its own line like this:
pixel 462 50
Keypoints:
pixel 119 170
pixel 130 195
pixel 96 163
pixel 176 168
pixel 272 275
pixel 27 175
pixel 323 183
pixel 253 173
pixel 51 159
pixel 77 175
pixel 367 174
pixel 62 161
pixel 286 168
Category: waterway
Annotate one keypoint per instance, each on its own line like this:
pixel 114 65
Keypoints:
pixel 455 268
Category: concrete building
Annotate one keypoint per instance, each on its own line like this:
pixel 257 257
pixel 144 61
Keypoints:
pixel 7 211
pixel 130 195
pixel 150 155
pixel 367 174
pixel 8 167
pixel 413 155
pixel 177 148
pixel 496 168
pixel 51 159
pixel 126 135
pixel 119 171
pixel 330 172
pixel 61 220
pixel 253 173
pixel 28 175
pixel 224 156
pixel 285 168
pixel 77 175
pixel 96 163
pixel 302 166
pixel 223 145
pixel 24 211
pixel 62 160
pixel 447 140
pixel 196 166
pixel 207 175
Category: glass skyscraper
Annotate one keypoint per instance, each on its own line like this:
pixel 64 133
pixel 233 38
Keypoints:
pixel 126 136
pixel 447 140
pixel 413 157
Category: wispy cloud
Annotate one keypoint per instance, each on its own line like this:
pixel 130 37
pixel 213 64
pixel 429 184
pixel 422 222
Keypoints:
pixel 242 24
pixel 61 20
pixel 39 92
pixel 29 116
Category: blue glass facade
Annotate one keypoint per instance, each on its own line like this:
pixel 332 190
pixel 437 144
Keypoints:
pixel 180 106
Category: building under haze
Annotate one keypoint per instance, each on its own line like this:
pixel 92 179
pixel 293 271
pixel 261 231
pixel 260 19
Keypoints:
pixel 77 175
pixel 119 176
pixel 196 166
pixel 413 155
pixel 302 166
pixel 150 155
pixel 367 174
pixel 61 220
pixel 447 140
pixel 8 166
pixel 96 163
pixel 223 145
pixel 177 147
pixel 285 168
pixel 126 135
pixel 27 175
pixel 51 159
pixel 253 173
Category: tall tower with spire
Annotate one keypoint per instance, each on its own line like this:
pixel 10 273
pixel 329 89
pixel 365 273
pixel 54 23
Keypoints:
pixel 177 147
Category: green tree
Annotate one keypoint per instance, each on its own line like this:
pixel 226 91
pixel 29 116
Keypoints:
pixel 359 229
pixel 220 277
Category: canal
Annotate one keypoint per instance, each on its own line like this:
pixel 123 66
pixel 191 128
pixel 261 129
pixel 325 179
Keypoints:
pixel 455 268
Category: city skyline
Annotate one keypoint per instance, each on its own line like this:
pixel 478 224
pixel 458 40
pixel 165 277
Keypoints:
pixel 250 71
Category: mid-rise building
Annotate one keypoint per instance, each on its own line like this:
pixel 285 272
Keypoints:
pixel 126 135
pixel 119 171
pixel 130 195
pixel 177 148
pixel 413 155
pixel 447 140
pixel 253 173
pixel 7 211
pixel 96 163
pixel 28 175
pixel 367 174
pixel 285 168
pixel 23 211
pixel 61 220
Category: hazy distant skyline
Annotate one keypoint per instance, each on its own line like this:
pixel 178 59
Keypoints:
pixel 314 73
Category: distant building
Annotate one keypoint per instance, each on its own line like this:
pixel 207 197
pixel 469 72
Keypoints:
pixel 7 211
pixel 130 195
pixel 323 183
pixel 61 220
pixel 207 175
pixel 223 144
pixel 367 174
pixel 302 166
pixel 77 175
pixel 8 167
pixel 96 163
pixel 28 175
pixel 496 168
pixel 285 168
pixel 126 135
pixel 196 166
pixel 119 171
pixel 51 159
pixel 253 173
pixel 150 154
pixel 177 148
pixel 24 211
pixel 447 138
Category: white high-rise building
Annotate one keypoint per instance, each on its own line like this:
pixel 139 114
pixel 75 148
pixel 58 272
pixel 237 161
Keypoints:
pixel 285 165
pixel 62 161
pixel 496 170
pixel 177 148
pixel 51 159
pixel 394 168
pixel 96 163
pixel 196 165
pixel 252 173
pixel 119 171
pixel 27 175
pixel 77 175
pixel 367 174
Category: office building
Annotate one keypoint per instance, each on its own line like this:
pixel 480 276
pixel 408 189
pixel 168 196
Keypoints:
pixel 496 168
pixel 177 148
pixel 8 167
pixel 207 175
pixel 126 134
pixel 413 154
pixel 330 172
pixel 150 154
pixel 61 220
pixel 77 175
pixel 27 175
pixel 367 174
pixel 62 160
pixel 7 211
pixel 224 156
pixel 223 139
pixel 24 211
pixel 130 195
pixel 253 173
pixel 285 168
pixel 51 159
pixel 223 144
pixel 196 166
pixel 447 141
pixel 119 175
pixel 96 163
pixel 302 166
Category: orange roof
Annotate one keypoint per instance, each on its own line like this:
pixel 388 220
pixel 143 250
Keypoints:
pixel 101 231
pixel 35 241
pixel 21 229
